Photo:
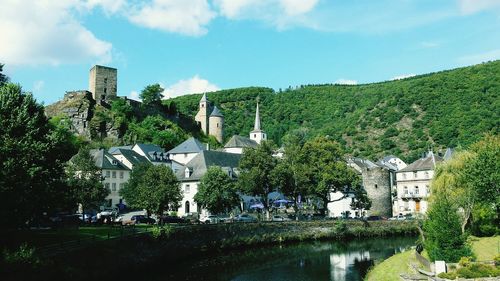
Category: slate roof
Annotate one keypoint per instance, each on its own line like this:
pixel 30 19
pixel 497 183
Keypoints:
pixel 132 156
pixel 104 160
pixel 204 97
pixel 422 164
pixel 190 145
pixel 149 148
pixel 216 112
pixel 387 158
pixel 207 158
pixel 239 141
pixel 113 149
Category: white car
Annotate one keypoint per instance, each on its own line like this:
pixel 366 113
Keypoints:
pixel 280 218
pixel 398 218
pixel 210 219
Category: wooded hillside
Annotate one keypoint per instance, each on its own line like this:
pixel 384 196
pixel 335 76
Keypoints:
pixel 405 117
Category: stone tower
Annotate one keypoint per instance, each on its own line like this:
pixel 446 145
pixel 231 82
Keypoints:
pixel 257 134
pixel 202 115
pixel 216 123
pixel 102 82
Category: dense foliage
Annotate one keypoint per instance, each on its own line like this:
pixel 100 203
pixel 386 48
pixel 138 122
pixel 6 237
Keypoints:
pixel 403 117
pixel 217 191
pixel 32 154
pixel 153 188
pixel 84 179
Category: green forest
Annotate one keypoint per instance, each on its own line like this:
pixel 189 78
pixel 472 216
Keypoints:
pixel 406 117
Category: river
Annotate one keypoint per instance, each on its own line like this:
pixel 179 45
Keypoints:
pixel 339 261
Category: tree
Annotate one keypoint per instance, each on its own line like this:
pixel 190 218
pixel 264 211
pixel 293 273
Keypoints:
pixel 257 165
pixel 217 191
pixel 155 129
pixel 444 239
pixel 85 181
pixel 152 94
pixel 326 172
pixel 482 172
pixel 31 164
pixel 3 78
pixel 153 188
pixel 288 174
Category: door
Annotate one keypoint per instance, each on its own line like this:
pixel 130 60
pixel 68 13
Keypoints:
pixel 186 207
pixel 417 206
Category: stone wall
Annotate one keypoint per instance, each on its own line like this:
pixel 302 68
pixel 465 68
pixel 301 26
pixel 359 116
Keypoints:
pixel 378 187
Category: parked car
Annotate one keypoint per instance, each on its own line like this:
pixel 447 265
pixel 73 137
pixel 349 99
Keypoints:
pixel 398 218
pixel 280 218
pixel 245 218
pixel 210 219
pixel 137 219
pixel 173 219
pixel 375 218
pixel 191 217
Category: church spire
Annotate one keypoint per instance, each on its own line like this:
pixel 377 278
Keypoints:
pixel 256 126
pixel 257 134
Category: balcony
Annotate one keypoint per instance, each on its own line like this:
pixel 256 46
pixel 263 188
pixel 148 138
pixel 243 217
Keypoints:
pixel 411 195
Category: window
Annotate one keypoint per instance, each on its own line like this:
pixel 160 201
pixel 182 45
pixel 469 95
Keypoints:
pixel 121 186
pixel 414 175
pixel 376 186
pixel 113 174
pixel 406 190
pixel 416 190
pixel 187 188
pixel 404 175
pixel 185 155
pixel 106 185
pixel 217 125
pixel 255 135
pixel 426 174
pixel 428 190
pixel 121 175
pixel 113 186
pixel 108 173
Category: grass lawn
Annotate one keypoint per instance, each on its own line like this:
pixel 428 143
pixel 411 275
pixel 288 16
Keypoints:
pixel 39 238
pixel 485 248
pixel 389 269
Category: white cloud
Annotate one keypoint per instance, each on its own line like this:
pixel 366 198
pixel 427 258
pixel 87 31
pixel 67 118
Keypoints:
pixel 38 85
pixel 403 76
pixel 481 57
pixel 192 85
pixel 474 6
pixel 109 6
pixel 180 16
pixel 134 95
pixel 280 13
pixel 47 32
pixel 342 81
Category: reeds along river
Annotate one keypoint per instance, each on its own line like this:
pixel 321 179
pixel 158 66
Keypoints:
pixel 339 261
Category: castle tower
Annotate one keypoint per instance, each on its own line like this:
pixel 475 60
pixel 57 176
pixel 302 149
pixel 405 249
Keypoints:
pixel 257 134
pixel 202 115
pixel 216 121
pixel 102 82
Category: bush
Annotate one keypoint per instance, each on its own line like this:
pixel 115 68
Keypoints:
pixel 478 270
pixel 448 275
pixel 20 258
pixel 497 260
pixel 465 261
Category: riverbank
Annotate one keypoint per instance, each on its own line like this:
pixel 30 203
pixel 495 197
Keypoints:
pixel 485 249
pixel 131 255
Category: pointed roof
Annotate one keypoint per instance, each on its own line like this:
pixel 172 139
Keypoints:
pixel 202 161
pixel 256 126
pixel 104 160
pixel 239 141
pixel 216 112
pixel 204 98
pixel 448 154
pixel 190 145
pixel 422 164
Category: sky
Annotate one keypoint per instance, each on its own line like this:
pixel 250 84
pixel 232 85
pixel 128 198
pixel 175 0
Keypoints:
pixel 194 46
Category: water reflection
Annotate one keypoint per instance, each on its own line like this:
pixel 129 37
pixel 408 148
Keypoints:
pixel 339 261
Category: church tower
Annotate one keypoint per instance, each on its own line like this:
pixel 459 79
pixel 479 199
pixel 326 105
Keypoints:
pixel 202 115
pixel 216 123
pixel 257 134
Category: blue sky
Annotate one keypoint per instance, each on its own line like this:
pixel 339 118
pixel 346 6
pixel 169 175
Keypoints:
pixel 191 46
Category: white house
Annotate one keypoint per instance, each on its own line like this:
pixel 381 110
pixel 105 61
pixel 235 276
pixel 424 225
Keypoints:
pixel 413 185
pixel 186 151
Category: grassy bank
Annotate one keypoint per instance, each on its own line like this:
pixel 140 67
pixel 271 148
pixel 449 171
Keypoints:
pixel 119 257
pixel 485 248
